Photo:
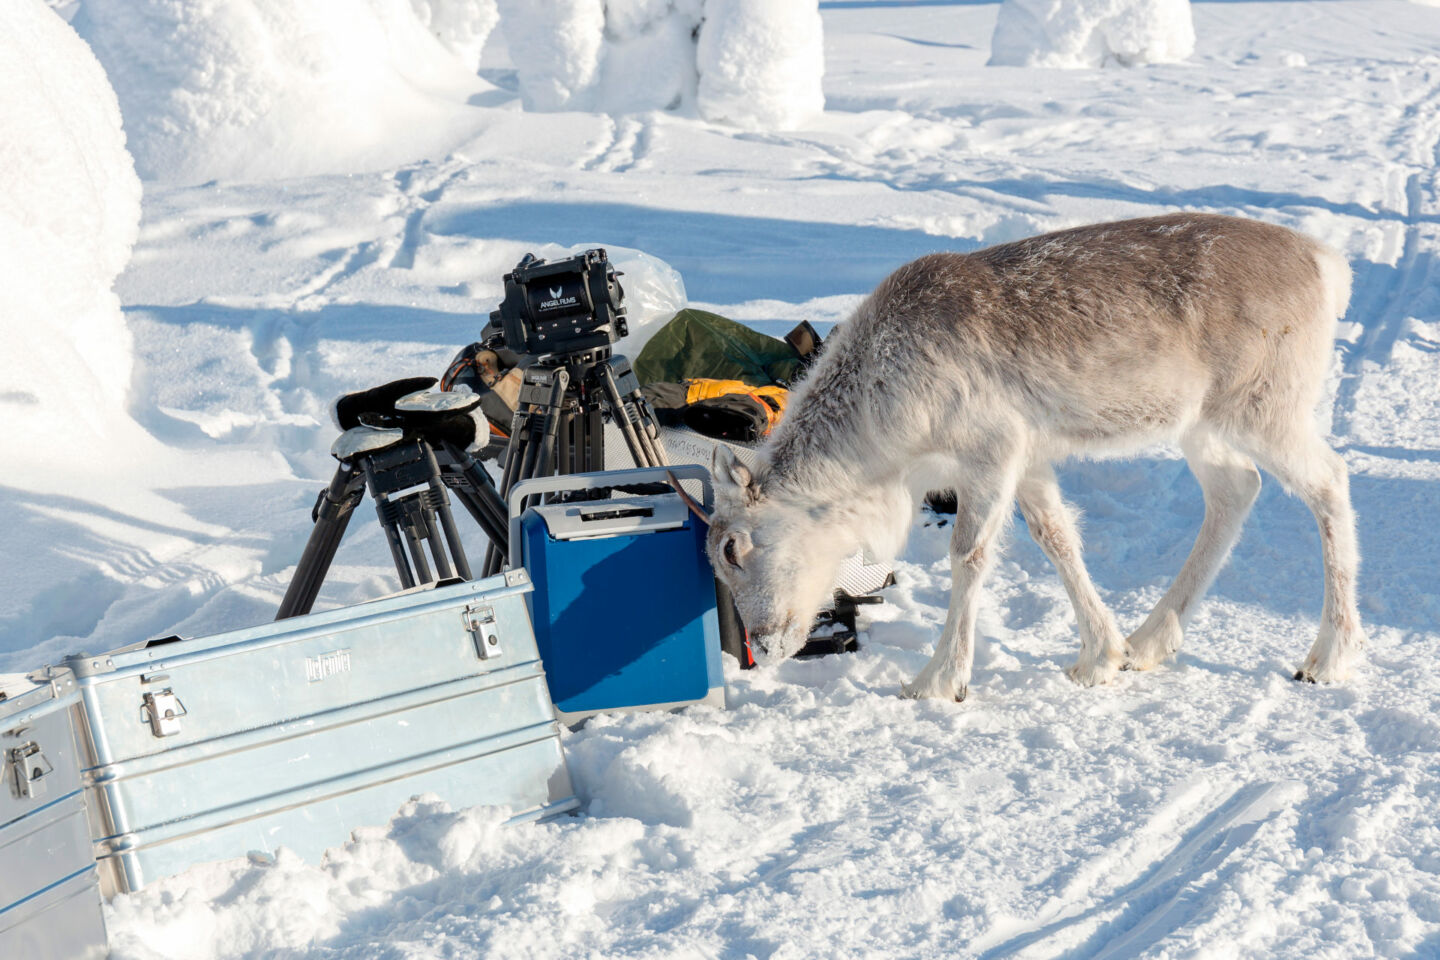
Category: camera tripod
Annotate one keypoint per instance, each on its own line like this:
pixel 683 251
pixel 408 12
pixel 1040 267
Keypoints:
pixel 408 445
pixel 407 470
pixel 559 425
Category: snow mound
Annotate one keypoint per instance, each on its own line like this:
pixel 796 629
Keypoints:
pixel 462 26
pixel 69 215
pixel 750 63
pixel 557 46
pixel 1091 33
pixel 761 63
pixel 256 89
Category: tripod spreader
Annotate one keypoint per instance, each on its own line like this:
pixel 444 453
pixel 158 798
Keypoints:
pixel 414 510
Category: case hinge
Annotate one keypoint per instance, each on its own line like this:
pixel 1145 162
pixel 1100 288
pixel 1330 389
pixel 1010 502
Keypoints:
pixel 163 711
pixel 29 770
pixel 480 621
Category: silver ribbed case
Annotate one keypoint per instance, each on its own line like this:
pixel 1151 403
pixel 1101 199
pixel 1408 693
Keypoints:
pixel 49 890
pixel 297 732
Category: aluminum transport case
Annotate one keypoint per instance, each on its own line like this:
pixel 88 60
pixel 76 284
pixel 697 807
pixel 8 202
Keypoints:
pixel 49 890
pixel 624 602
pixel 297 732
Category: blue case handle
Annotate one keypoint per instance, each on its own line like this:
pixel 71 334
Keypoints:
pixel 599 481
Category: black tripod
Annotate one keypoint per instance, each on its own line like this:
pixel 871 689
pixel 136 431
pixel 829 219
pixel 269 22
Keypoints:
pixel 559 425
pixel 407 470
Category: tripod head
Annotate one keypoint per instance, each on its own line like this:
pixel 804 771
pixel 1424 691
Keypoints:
pixel 563 307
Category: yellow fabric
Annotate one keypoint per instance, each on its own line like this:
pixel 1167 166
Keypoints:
pixel 702 388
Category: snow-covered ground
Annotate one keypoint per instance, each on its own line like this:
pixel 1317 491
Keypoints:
pixel 1211 808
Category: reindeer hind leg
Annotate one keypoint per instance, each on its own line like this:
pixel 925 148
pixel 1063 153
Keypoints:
pixel 1229 483
pixel 1318 476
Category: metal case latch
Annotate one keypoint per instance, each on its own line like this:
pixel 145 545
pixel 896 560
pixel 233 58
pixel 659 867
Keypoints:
pixel 30 768
pixel 163 710
pixel 480 621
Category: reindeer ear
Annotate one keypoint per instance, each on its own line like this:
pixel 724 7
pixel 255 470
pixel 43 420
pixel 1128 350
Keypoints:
pixel 726 469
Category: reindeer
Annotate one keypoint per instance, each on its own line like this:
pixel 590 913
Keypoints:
pixel 976 372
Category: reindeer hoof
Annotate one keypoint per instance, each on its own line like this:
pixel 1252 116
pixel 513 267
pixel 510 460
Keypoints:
pixel 1156 641
pixel 932 691
pixel 1093 672
pixel 1324 670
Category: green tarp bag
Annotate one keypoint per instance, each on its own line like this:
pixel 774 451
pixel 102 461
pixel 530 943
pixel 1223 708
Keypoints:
pixel 697 344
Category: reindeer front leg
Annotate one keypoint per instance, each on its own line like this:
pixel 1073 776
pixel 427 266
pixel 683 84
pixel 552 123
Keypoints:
pixel 978 522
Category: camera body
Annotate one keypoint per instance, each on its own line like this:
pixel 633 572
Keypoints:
pixel 561 307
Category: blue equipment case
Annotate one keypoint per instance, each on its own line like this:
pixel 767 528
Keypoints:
pixel 624 599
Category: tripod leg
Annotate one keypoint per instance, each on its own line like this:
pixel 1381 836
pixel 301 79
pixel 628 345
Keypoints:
pixel 631 412
pixel 390 519
pixel 545 462
pixel 646 426
pixel 479 496
pixel 517 451
pixel 452 540
pixel 397 554
pixel 530 452
pixel 565 444
pixel 579 440
pixel 620 413
pixel 431 535
pixel 594 439
pixel 494 561
pixel 416 543
pixel 514 448
pixel 529 457
pixel 332 515
pixel 435 509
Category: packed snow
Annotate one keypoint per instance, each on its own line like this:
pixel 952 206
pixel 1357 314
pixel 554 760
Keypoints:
pixel 1091 33
pixel 1210 808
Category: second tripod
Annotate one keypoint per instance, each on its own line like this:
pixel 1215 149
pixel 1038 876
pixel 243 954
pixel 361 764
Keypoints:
pixel 407 469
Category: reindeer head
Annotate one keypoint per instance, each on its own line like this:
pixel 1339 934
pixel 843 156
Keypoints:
pixel 778 551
